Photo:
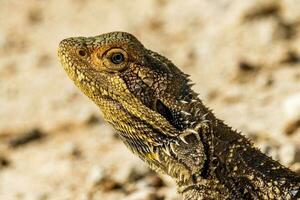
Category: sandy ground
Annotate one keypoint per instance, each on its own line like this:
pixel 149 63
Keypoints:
pixel 244 57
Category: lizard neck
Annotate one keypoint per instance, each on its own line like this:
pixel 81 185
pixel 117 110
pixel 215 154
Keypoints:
pixel 233 161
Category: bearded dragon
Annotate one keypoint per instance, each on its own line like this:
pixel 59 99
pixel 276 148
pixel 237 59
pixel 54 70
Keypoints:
pixel 150 102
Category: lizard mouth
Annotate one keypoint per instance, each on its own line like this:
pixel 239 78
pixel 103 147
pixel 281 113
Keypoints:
pixel 73 67
pixel 78 71
pixel 63 54
pixel 63 47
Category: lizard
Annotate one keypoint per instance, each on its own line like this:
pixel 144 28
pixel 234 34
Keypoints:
pixel 151 104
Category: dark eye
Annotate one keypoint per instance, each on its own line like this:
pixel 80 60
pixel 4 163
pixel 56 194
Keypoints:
pixel 81 52
pixel 117 58
pixel 114 59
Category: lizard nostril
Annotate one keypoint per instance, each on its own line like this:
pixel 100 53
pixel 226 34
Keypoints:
pixel 81 52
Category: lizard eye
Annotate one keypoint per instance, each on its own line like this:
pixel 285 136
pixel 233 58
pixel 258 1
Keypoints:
pixel 117 58
pixel 81 52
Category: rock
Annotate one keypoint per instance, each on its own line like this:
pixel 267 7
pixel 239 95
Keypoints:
pixel 4 162
pixel 135 178
pixel 140 181
pixel 134 173
pixel 291 58
pixel 171 193
pixel 269 150
pixel 154 181
pixel 99 178
pixel 261 10
pixel 295 167
pixel 96 175
pixel 287 154
pixel 291 127
pixel 73 150
pixel 246 71
pixel 108 184
pixel 35 16
pixel 291 109
pixel 27 137
pixel 93 119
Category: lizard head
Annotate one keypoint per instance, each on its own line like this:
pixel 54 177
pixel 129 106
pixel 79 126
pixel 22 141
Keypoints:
pixel 146 98
pixel 141 93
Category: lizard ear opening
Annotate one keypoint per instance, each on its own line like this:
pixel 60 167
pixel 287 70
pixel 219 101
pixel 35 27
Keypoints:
pixel 162 109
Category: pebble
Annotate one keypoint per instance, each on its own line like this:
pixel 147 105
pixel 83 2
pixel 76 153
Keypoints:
pixel 26 138
pixel 108 184
pixel 154 181
pixel 96 175
pixel 73 150
pixel 291 127
pixel 268 150
pixel 99 178
pixel 4 162
pixel 291 109
pixel 295 167
pixel 93 119
pixel 134 173
pixel 287 154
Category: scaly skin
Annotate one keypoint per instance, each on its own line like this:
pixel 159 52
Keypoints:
pixel 149 101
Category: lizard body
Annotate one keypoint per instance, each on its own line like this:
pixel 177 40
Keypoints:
pixel 149 101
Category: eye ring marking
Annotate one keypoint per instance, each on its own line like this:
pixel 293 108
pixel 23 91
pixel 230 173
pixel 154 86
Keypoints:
pixel 81 52
pixel 115 59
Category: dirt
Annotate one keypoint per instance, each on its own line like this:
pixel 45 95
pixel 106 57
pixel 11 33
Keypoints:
pixel 244 57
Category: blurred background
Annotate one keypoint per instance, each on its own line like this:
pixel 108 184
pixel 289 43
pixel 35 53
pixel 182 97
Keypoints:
pixel 244 57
